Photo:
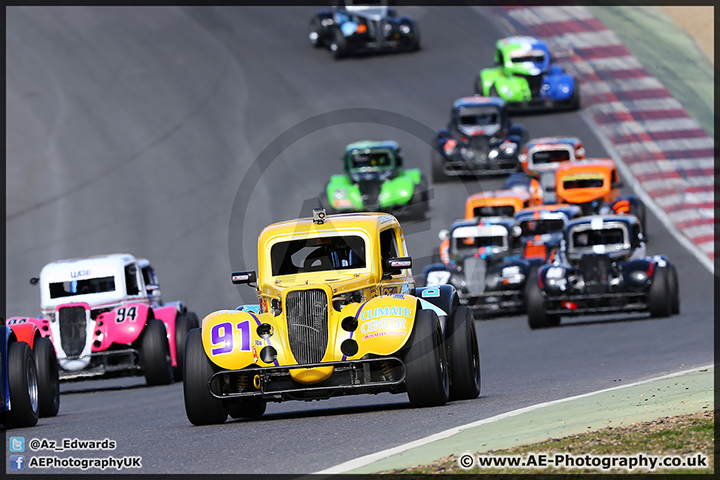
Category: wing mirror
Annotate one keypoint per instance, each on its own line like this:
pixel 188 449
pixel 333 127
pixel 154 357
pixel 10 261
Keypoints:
pixel 444 234
pixel 244 277
pixel 34 280
pixel 393 266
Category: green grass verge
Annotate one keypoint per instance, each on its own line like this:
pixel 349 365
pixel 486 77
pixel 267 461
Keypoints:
pixel 685 436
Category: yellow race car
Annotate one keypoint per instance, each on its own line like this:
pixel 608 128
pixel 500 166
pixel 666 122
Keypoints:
pixel 338 314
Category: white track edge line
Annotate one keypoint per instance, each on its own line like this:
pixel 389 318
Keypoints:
pixel 647 199
pixel 374 457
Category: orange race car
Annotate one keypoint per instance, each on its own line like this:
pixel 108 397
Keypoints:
pixel 502 203
pixel 594 185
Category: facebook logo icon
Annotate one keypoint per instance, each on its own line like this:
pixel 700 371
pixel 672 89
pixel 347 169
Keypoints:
pixel 17 462
pixel 17 444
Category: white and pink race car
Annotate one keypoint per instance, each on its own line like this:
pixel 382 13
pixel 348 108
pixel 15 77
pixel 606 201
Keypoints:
pixel 105 316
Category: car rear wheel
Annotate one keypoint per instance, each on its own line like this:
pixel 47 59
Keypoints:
pixel 23 386
pixel 419 201
pixel 660 300
pixel 478 86
pixel 155 353
pixel 426 377
pixel 200 406
pixel 315 34
pixel 537 307
pixel 674 287
pixel 48 380
pixel 438 167
pixel 183 325
pixel 464 355
pixel 246 408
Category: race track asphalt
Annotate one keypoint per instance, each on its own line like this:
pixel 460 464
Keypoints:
pixel 131 130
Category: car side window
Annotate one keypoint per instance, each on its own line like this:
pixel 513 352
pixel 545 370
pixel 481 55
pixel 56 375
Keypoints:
pixel 388 244
pixel 131 281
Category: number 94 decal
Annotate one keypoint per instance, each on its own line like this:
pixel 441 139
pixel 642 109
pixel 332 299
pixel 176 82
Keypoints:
pixel 122 314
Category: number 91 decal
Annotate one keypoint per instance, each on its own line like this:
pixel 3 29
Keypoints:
pixel 223 340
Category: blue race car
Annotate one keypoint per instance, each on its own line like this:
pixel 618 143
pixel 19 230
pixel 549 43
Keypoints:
pixel 525 78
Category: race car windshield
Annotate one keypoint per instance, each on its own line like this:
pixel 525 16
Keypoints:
pixel 541 227
pixel 474 243
pixel 371 160
pixel 494 211
pixel 317 255
pixel 535 57
pixel 478 116
pixel 82 287
pixel 550 156
pixel 607 237
pixel 583 183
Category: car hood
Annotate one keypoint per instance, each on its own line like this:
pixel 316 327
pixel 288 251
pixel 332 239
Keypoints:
pixel 473 130
pixel 339 282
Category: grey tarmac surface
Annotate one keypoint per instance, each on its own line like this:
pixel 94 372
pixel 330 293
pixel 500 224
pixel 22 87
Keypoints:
pixel 130 129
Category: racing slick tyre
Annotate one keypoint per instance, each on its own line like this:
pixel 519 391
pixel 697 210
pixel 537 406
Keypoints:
pixel 464 355
pixel 155 353
pixel 438 168
pixel 674 288
pixel 426 377
pixel 315 34
pixel 245 408
pixel 478 86
pixel 23 386
pixel 575 97
pixel 338 44
pixel 537 307
pixel 418 203
pixel 660 301
pixel 200 406
pixel 415 42
pixel 638 210
pixel 183 325
pixel 46 365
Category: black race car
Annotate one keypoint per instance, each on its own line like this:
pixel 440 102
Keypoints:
pixel 363 26
pixel 482 259
pixel 479 139
pixel 601 267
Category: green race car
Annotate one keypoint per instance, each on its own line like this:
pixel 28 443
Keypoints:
pixel 375 180
pixel 526 80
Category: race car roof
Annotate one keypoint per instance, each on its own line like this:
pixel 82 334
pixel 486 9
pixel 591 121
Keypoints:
pixel 552 141
pixel 600 220
pixel 570 211
pixel 477 100
pixel 372 144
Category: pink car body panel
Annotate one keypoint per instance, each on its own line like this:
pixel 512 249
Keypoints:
pixel 124 324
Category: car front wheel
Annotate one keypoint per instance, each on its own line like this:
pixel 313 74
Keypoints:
pixel 426 378
pixel 200 406
pixel 464 355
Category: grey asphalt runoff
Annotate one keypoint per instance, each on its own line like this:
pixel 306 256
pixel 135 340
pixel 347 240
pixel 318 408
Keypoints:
pixel 129 129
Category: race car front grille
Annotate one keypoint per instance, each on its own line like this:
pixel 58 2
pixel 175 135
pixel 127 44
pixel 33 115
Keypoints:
pixel 475 270
pixel 307 321
pixel 71 321
pixel 535 83
pixel 595 270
